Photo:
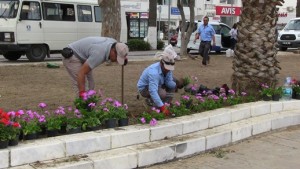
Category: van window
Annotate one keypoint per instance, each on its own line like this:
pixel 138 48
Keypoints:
pixel 84 13
pixel 58 12
pixel 293 25
pixel 98 14
pixel 30 11
pixel 9 9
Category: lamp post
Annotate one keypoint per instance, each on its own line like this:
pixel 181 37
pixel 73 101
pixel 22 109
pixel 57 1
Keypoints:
pixel 169 22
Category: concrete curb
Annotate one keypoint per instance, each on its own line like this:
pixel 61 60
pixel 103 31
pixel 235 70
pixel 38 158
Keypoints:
pixel 142 145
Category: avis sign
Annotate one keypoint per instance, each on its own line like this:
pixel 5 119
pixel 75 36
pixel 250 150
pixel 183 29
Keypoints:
pixel 228 10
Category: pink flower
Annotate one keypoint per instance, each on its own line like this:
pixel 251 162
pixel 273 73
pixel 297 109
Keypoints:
pixel 117 104
pixel 243 93
pixel 125 106
pixel 42 105
pixel 105 109
pixel 92 105
pixel 177 103
pixel 153 122
pixel 143 120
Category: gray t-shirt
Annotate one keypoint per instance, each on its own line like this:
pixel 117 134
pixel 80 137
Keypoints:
pixel 94 50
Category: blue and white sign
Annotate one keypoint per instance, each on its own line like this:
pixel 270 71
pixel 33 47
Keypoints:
pixel 175 11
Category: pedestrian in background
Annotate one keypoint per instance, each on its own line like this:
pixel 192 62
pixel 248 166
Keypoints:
pixel 233 33
pixel 206 34
pixel 82 56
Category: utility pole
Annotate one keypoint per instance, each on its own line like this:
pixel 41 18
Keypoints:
pixel 169 22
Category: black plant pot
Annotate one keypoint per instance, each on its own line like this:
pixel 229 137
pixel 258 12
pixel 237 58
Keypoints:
pixel 43 130
pixel 52 133
pixel 74 130
pixel 3 144
pixel 63 129
pixel 94 128
pixel 30 136
pixel 110 123
pixel 123 122
pixel 276 97
pixel 14 142
pixel 266 98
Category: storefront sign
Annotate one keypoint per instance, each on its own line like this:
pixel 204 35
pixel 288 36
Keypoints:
pixel 228 10
pixel 144 15
pixel 282 14
pixel 175 11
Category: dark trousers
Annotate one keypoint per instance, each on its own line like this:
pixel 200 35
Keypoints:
pixel 204 50
pixel 233 42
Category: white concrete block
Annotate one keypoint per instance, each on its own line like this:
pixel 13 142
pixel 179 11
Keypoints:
pixel 291 105
pixel 195 125
pixel 37 150
pixel 4 158
pixel 115 159
pixel 240 113
pixel 78 162
pixel 155 152
pixel 86 143
pixel 296 119
pixel 242 132
pixel 261 127
pixel 218 139
pixel 130 137
pixel 282 122
pixel 276 107
pixel 165 130
pixel 188 146
pixel 22 167
pixel 219 119
pixel 260 109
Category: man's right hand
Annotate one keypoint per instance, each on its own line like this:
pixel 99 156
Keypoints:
pixel 165 110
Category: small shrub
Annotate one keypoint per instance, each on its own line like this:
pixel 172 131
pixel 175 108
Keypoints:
pixel 160 44
pixel 138 45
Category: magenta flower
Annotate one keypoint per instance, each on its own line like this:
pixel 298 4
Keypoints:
pixel 143 120
pixel 105 109
pixel 91 93
pixel 185 97
pixel 92 105
pixel 117 104
pixel 177 103
pixel 231 92
pixel 125 106
pixel 243 93
pixel 42 105
pixel 153 122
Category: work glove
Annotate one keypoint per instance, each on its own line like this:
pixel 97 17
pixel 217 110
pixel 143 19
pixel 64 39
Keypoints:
pixel 165 110
pixel 82 94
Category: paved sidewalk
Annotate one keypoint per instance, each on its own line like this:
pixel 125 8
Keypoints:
pixel 274 150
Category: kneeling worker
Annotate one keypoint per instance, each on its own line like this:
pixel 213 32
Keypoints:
pixel 156 82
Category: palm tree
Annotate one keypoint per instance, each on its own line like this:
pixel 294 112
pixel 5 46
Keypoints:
pixel 255 55
pixel 185 36
pixel 111 24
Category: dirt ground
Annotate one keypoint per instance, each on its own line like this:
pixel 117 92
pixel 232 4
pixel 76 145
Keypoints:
pixel 24 87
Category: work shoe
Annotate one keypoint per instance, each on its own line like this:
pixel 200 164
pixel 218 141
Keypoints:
pixel 149 102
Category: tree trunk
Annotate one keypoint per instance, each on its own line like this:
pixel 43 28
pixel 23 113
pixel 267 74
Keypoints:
pixel 111 24
pixel 255 54
pixel 185 36
pixel 298 9
pixel 152 29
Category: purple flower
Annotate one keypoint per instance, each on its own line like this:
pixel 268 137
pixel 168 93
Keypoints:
pixel 42 119
pixel 105 109
pixel 117 104
pixel 153 122
pixel 243 93
pixel 91 93
pixel 143 120
pixel 125 106
pixel 92 105
pixel 231 92
pixel 185 97
pixel 21 112
pixel 177 103
pixel 42 105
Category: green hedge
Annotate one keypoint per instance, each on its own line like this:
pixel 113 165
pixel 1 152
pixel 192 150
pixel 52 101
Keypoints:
pixel 160 44
pixel 138 45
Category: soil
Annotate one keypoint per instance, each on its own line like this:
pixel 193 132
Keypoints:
pixel 25 86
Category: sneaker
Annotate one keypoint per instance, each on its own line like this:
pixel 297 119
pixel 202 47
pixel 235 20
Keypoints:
pixel 149 102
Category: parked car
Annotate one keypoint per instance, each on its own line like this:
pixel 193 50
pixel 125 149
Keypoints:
pixel 222 37
pixel 173 39
pixel 289 37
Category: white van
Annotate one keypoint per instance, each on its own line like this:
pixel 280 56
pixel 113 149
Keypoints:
pixel 289 37
pixel 222 37
pixel 40 27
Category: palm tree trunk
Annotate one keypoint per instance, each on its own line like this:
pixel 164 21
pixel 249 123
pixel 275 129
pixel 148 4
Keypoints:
pixel 111 24
pixel 255 54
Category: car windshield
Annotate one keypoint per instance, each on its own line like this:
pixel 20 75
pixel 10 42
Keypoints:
pixel 293 25
pixel 8 8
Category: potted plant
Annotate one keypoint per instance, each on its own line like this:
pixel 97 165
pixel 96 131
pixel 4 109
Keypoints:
pixel 266 92
pixel 74 121
pixel 15 128
pixel 296 88
pixel 277 93
pixel 91 123
pixel 179 109
pixel 30 124
pixel 5 129
pixel 90 97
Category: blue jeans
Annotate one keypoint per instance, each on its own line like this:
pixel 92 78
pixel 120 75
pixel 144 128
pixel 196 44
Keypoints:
pixel 233 42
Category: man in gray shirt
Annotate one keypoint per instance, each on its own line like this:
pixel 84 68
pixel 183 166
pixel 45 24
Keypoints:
pixel 86 54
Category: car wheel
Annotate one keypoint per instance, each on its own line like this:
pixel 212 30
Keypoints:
pixel 283 48
pixel 12 55
pixel 36 53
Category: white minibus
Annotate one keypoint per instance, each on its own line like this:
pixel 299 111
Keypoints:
pixel 37 28
pixel 222 37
